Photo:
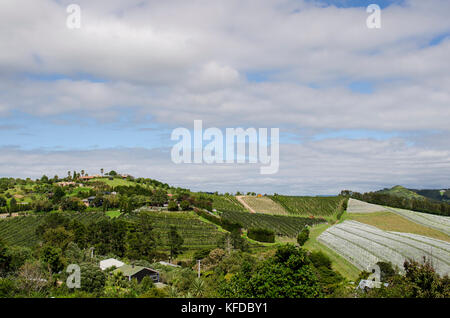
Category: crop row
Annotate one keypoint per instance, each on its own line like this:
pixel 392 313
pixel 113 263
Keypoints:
pixel 22 230
pixel 281 225
pixel 318 206
pixel 364 245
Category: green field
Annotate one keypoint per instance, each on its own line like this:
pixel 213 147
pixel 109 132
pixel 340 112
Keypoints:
pixel 196 233
pixel 306 206
pixel 114 182
pixel 281 225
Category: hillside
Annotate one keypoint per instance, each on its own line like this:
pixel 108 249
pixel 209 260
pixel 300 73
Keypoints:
pixel 433 194
pixel 315 206
pixel 402 192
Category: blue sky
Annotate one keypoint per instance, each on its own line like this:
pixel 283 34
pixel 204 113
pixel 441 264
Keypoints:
pixel 345 98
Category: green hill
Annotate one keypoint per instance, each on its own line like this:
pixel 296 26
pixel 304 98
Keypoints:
pixel 434 194
pixel 402 192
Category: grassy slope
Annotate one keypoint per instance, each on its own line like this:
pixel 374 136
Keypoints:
pixel 392 222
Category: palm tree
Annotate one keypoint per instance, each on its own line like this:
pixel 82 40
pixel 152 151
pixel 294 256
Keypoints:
pixel 68 174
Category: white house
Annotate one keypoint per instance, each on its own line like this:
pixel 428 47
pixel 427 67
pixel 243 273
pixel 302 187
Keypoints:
pixel 110 262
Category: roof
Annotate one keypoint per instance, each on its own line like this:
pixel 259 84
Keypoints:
pixel 130 270
pixel 110 262
pixel 168 264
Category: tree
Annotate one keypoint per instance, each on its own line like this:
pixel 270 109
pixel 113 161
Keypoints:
pixel 2 201
pixel 288 274
pixel 175 242
pixel 5 259
pixel 93 279
pixel 185 205
pixel 58 194
pixel 303 236
pixel 173 206
pixel 58 237
pixel 52 258
pixel 31 278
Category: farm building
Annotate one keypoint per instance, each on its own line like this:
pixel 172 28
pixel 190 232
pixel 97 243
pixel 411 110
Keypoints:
pixel 138 272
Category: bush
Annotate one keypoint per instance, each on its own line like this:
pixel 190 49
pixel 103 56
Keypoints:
pixel 261 235
pixel 185 205
pixel 303 236
pixel 173 206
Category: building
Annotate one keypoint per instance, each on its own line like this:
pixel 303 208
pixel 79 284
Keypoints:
pixel 110 262
pixel 138 272
pixel 130 271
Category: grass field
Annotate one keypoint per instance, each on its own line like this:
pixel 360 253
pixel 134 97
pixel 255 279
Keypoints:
pixel 327 207
pixel 264 205
pixel 388 221
pixel 115 182
pixel 113 214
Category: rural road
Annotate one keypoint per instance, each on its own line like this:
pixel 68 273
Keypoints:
pixel 239 198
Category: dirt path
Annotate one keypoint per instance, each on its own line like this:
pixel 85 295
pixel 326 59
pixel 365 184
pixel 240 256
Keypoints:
pixel 239 198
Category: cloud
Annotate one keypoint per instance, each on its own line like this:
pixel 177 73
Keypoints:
pixel 324 167
pixel 174 62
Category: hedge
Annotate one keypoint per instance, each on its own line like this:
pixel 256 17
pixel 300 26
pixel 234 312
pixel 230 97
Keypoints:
pixel 261 235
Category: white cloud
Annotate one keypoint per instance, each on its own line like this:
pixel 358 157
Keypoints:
pixel 323 167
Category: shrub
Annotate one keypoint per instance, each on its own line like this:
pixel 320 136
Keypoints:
pixel 173 206
pixel 261 235
pixel 185 205
pixel 303 236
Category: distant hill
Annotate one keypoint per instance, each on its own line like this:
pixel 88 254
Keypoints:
pixel 436 195
pixel 440 195
pixel 402 192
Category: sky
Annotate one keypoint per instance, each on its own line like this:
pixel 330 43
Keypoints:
pixel 357 108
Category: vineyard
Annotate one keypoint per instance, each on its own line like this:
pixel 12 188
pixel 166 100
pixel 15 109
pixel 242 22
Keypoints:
pixel 317 206
pixel 364 245
pixel 197 234
pixel 281 225
pixel 226 203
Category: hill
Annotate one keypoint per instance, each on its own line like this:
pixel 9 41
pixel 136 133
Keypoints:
pixel 402 192
pixel 434 194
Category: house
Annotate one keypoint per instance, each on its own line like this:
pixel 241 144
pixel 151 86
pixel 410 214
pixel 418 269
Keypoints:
pixel 87 202
pixel 66 184
pixel 110 262
pixel 130 271
pixel 138 272
pixel 86 178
